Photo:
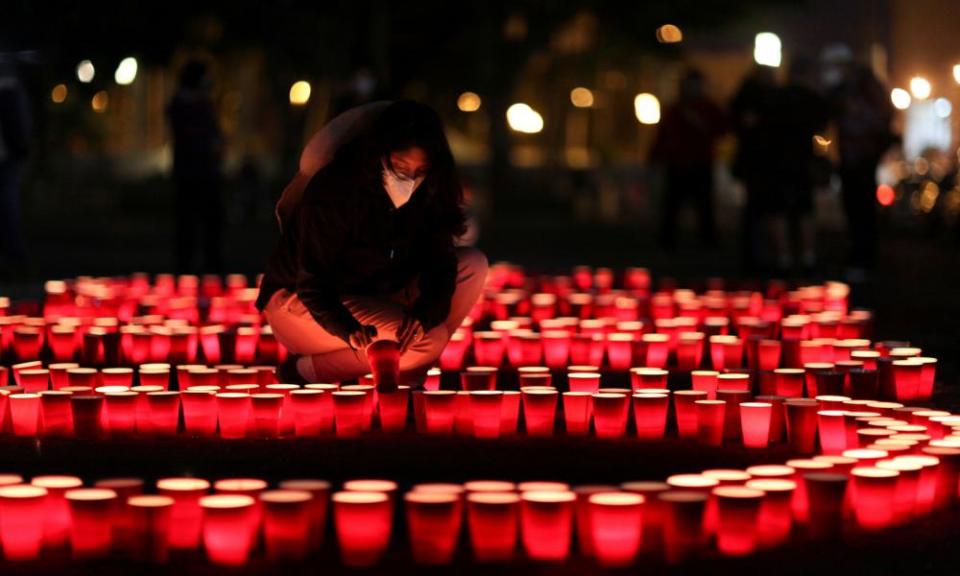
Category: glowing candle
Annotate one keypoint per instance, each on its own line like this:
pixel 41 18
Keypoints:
pixel 738 511
pixel 789 382
pixel 755 423
pixel 616 527
pixel 801 424
pixel 776 517
pixel 906 377
pixel 55 413
pixel 657 349
pixel 683 527
pixel 452 356
pixel 511 412
pixel 393 409
pixel 768 354
pixel 583 382
pixel 185 514
pixel 150 533
pixel 438 408
pixel 316 507
pixel 22 509
pixel 286 524
pixel 534 377
pixel 265 411
pixel 907 486
pixel 56 514
pixel 25 413
pixel 710 419
pixel 556 348
pixel 873 496
pixel 154 376
pixel 546 524
pixel 539 411
pixel 164 412
pixel 706 381
pixel 650 415
pixel 928 375
pixel 689 350
pixel 647 378
pixel 831 426
pixel 58 374
pixel 120 413
pixel 731 417
pixel 486 407
pixel 492 522
pixel 949 472
pixel 577 409
pixel 619 347
pixel 228 536
pixel 610 412
pixel 363 522
pixel 199 411
pixel 91 517
pixel 726 352
pixel 35 379
pixel 479 378
pixel 384 359
pixel 685 410
pixel 117 377
pixel 82 377
pixel 233 411
pixel 825 497
pixel 313 409
pixel 433 522
pixel 488 348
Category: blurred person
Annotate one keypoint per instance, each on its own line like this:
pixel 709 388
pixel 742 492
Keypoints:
pixel 753 112
pixel 862 113
pixel 367 248
pixel 197 155
pixel 801 115
pixel 685 145
pixel 15 131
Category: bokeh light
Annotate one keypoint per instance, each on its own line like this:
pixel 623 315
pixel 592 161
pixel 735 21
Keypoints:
pixel 59 93
pixel 100 101
pixel 766 49
pixel 901 98
pixel 85 71
pixel 300 93
pixel 469 102
pixel 920 87
pixel 581 97
pixel 522 118
pixel 885 195
pixel 647 108
pixel 669 34
pixel 942 107
pixel 126 71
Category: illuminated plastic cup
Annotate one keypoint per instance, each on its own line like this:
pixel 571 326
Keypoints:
pixel 832 431
pixel 120 413
pixel 583 382
pixel 91 517
pixel 825 496
pixel 433 522
pixel 776 515
pixel 25 413
pixel 56 514
pixel 873 496
pixel 479 378
pixel 689 350
pixel 705 381
pixel 363 522
pixel 316 507
pixel 348 412
pixel 492 520
pixel 738 511
pixel 199 412
pixel 646 378
pixel 801 424
pixel 34 379
pixel 582 519
pixel 393 409
pixel 233 414
pixel 654 514
pixel 58 374
pixel 286 524
pixel 546 524
pixel 577 408
pixel 755 423
pixel 685 410
pixel 539 410
pixel 150 532
pixel 56 417
pixel 487 409
pixel 22 510
pixel 384 359
pixel 778 427
pixel 117 377
pixel 312 411
pixel 265 412
pixel 511 412
pixel 610 412
pixel 228 534
pixel 462 414
pixel 650 415
pixel 122 516
pixel 907 375
pixel 616 520
pixel 186 516
pixel 683 533
pixel 710 418
pixel 789 382
pixel 439 410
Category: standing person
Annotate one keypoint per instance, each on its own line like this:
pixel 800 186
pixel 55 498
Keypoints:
pixel 803 114
pixel 862 113
pixel 15 128
pixel 197 153
pixel 367 247
pixel 686 142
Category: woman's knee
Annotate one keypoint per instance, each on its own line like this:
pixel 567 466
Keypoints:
pixel 427 349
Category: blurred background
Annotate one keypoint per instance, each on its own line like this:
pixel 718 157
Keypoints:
pixel 751 139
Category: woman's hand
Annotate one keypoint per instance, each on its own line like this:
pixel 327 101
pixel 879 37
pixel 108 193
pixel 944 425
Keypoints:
pixel 410 332
pixel 362 337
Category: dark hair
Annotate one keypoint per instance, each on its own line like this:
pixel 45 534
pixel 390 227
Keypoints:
pixel 406 124
pixel 193 74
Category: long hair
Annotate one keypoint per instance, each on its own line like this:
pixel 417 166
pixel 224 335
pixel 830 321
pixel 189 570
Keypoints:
pixel 405 124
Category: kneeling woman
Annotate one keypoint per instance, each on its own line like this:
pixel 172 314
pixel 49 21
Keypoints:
pixel 367 246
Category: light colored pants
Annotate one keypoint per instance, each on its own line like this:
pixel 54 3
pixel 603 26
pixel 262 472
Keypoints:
pixel 332 360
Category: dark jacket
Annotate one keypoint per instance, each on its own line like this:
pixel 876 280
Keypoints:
pixel 346 239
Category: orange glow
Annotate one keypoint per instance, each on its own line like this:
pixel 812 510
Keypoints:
pixel 885 195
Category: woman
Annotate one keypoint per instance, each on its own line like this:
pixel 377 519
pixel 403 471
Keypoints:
pixel 367 247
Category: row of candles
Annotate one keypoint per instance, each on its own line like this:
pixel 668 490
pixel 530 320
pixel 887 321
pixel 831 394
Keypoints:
pixel 737 511
pixel 717 407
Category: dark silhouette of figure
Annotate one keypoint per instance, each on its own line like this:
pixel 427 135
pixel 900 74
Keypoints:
pixel 15 129
pixel 197 152
pixel 801 115
pixel 753 111
pixel 685 145
pixel 862 113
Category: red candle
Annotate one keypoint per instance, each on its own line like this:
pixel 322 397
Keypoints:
pixel 433 522
pixel 316 507
pixel 768 354
pixel 492 523
pixel 122 516
pixel 34 379
pixel 683 526
pixel 789 382
pixel 164 412
pixel 286 524
pixel 928 375
pixel 610 411
pixel 55 414
pixel 265 411
pixel 185 514
pixel 151 375
pixel 556 348
pixel 439 411
pixel 577 409
pixel 58 374
pixel 648 378
pixel 906 377
pixel 486 407
pixel 650 415
pixel 657 349
pixel 907 486
pixel 120 413
pixel 801 424
pixel 199 411
pixel 755 423
pixel 488 348
pixel 82 377
pixel 384 359
pixel 22 514
pixel 546 524
pixel 117 377
pixel 811 369
pixel 726 352
pixel 511 412
pixel 619 350
pixel 233 412
pixel 731 418
pixel 825 496
pixel 539 410
pixel 616 527
pixel 56 514
pixel 363 522
pixel 710 418
pixel 25 413
pixel 228 534
pixel 873 495
pixel 479 378
pixel 689 350
pixel 738 512
pixel 393 409
pixel 91 518
pixel 685 410
pixel 150 533
pixel 452 356
pixel 733 382
pixel 588 382
pixel 832 431
pixel 705 381
pixel 776 516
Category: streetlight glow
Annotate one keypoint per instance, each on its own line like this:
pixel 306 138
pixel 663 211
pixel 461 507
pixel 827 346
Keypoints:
pixel 126 71
pixel 522 118
pixel 766 49
pixel 647 108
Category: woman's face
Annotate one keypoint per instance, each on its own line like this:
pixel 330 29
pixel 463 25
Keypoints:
pixel 410 164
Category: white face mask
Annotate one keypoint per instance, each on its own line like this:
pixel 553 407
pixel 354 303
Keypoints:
pixel 399 189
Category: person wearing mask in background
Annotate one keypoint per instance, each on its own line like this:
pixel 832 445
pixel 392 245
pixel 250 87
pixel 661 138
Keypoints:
pixel 685 146
pixel 367 248
pixel 15 129
pixel 197 154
